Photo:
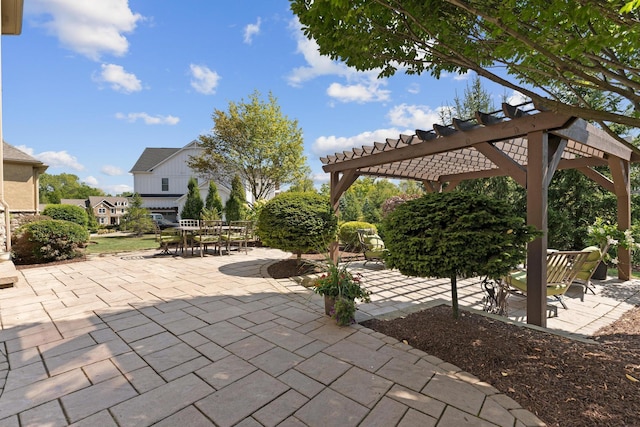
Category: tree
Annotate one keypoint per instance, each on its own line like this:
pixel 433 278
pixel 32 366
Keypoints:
pixel 255 140
pixel 297 222
pixel 545 46
pixel 194 204
pixel 457 234
pixel 213 200
pixel 235 208
pixel 302 184
pixel 137 218
pixel 53 188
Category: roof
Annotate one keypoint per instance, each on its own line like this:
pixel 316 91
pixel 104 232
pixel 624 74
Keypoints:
pixel 491 144
pixel 12 154
pixel 109 200
pixel 151 157
pixel 76 202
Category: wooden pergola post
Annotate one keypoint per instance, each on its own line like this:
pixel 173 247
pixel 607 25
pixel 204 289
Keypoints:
pixel 622 187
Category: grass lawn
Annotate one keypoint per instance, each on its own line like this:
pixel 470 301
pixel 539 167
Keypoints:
pixel 110 244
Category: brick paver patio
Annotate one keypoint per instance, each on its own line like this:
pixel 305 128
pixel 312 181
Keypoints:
pixel 136 340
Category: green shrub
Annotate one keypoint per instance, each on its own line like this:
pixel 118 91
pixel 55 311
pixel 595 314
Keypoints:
pixel 348 233
pixel 297 222
pixel 457 234
pixel 71 213
pixel 47 241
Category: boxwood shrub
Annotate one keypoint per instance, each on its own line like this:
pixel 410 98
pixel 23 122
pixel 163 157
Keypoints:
pixel 297 222
pixel 71 213
pixel 47 241
pixel 348 233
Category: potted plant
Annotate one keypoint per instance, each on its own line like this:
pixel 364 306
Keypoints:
pixel 608 237
pixel 340 289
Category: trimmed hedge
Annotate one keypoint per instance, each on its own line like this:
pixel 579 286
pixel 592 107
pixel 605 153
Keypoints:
pixel 71 213
pixel 348 233
pixel 47 241
pixel 297 222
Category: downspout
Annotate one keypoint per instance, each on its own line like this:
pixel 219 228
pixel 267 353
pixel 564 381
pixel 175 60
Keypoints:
pixel 5 205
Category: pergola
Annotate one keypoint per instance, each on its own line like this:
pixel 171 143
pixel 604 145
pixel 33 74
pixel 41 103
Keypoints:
pixel 523 142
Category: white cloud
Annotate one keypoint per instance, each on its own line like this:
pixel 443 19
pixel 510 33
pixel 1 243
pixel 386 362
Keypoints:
pixel 118 78
pixel 358 92
pixel 117 189
pixel 90 28
pixel 517 98
pixel 203 80
pixel 464 76
pixel 334 144
pixel 91 180
pixel 25 149
pixel 413 116
pixel 251 30
pixel 111 170
pixel 148 119
pixel 414 89
pixel 59 159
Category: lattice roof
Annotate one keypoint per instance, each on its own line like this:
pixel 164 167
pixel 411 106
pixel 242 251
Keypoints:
pixel 476 148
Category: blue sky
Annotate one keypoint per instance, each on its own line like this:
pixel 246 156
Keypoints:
pixel 89 84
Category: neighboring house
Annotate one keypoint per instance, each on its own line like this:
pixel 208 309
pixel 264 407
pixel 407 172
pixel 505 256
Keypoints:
pixel 161 176
pixel 21 180
pixel 107 210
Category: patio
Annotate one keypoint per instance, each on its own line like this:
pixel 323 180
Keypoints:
pixel 213 341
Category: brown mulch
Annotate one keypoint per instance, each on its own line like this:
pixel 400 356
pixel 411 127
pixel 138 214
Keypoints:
pixel 563 381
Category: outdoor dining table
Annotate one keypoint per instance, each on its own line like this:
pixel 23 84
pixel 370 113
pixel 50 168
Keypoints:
pixel 188 230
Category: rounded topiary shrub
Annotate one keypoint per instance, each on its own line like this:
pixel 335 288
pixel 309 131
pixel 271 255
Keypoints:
pixel 348 233
pixel 47 241
pixel 457 234
pixel 297 222
pixel 72 213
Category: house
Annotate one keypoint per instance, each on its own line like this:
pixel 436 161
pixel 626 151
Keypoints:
pixel 106 209
pixel 161 176
pixel 21 174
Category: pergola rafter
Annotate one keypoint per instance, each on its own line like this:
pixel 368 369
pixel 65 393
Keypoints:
pixel 520 141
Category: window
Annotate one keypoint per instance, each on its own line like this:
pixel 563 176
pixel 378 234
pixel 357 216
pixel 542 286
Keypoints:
pixel 113 211
pixel 122 210
pixel 102 220
pixel 165 184
pixel 102 211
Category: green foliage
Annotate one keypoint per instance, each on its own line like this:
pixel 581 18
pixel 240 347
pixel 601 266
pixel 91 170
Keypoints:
pixel 297 222
pixel 213 201
pixel 235 209
pixel 256 140
pixel 54 188
pixel 348 233
pixel 455 235
pixel 72 213
pixel 552 45
pixel 194 204
pixel 47 241
pixel 137 218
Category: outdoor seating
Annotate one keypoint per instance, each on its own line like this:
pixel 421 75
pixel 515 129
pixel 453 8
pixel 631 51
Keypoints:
pixel 238 235
pixel 562 269
pixel 189 227
pixel 372 245
pixel 167 238
pixel 209 234
pixel 583 278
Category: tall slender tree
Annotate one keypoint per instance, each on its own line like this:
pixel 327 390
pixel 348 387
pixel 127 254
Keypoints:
pixel 235 208
pixel 213 200
pixel 194 204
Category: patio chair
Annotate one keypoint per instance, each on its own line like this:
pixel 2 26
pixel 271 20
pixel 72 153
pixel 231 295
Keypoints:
pixel 583 278
pixel 562 269
pixel 238 235
pixel 169 237
pixel 372 245
pixel 189 228
pixel 209 234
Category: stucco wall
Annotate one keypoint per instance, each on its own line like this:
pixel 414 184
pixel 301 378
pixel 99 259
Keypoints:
pixel 19 188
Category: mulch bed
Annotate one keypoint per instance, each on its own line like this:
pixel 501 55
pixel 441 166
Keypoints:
pixel 564 382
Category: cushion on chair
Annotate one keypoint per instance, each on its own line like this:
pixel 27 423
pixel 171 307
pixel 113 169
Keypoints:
pixel 374 243
pixel 590 264
pixel 518 279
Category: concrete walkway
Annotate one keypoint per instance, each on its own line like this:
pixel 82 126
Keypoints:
pixel 138 340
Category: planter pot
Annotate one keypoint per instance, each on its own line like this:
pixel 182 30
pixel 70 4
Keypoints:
pixel 601 271
pixel 329 303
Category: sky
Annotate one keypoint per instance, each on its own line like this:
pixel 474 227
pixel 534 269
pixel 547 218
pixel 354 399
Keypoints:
pixel 89 84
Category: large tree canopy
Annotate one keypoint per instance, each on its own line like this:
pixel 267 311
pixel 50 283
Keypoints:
pixel 53 188
pixel 547 47
pixel 253 139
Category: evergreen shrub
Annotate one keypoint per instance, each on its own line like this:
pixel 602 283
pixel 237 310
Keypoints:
pixel 48 240
pixel 348 233
pixel 72 213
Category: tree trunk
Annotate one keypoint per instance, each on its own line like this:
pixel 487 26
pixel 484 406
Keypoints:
pixel 454 296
